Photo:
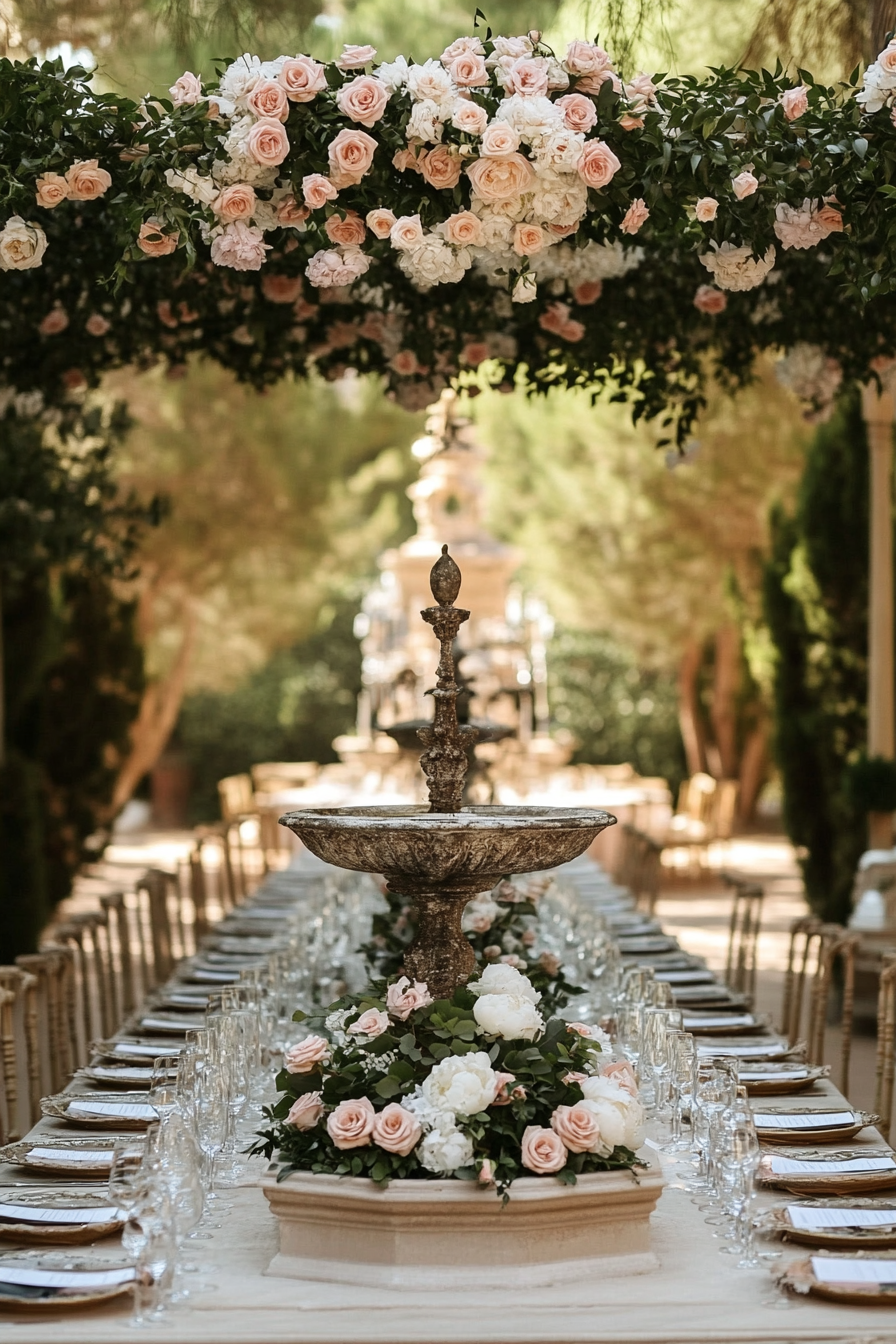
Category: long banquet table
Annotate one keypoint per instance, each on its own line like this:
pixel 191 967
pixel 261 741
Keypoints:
pixel 694 1294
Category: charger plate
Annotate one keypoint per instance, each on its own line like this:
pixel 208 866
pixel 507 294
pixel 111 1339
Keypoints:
pixel 813 1134
pixel 61 1154
pixel 883 1235
pixel 782 1085
pixel 827 1183
pixel 61 1234
pixel 799 1277
pixel 30 1299
pixel 128 1076
pixel 58 1108
pixel 134 1051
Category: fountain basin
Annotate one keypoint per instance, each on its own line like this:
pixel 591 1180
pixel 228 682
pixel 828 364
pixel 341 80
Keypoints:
pixel 431 1234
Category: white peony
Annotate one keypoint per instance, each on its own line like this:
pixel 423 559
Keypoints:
pixel 620 1115
pixel 434 262
pixel 559 199
pixel 562 150
pixel 534 119
pixel 394 74
pixel 735 268
pixel 425 123
pixel 22 246
pixel 462 1084
pixel 431 82
pixel 240 78
pixel 503 979
pixel 445 1148
pixel 510 1016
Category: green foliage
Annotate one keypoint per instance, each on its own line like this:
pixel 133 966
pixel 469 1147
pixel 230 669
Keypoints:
pixel 870 784
pixel 816 605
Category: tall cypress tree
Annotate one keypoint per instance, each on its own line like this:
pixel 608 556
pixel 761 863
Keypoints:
pixel 815 595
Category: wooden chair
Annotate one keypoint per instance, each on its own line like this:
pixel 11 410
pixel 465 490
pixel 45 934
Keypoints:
pixel 886 1044
pixel 834 944
pixel 804 933
pixel 641 866
pixel 20 1046
pixel 53 969
pixel 152 888
pixel 743 934
pixel 236 796
pixel 115 905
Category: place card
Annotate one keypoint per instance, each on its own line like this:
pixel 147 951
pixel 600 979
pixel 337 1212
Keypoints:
pixel 793 1166
pixel 692 1023
pixel 833 1269
pixel 126 1110
pixel 101 1157
pixel 56 1278
pixel 817 1120
pixel 771 1076
pixel 810 1220
pixel 27 1213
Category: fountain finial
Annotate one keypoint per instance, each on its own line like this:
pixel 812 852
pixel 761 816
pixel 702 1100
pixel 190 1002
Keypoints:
pixel 444 763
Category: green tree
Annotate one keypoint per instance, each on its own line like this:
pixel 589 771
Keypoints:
pixel 816 606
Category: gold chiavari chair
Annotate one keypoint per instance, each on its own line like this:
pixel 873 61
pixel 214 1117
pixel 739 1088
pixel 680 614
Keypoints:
pixel 152 891
pixel 20 1049
pixel 804 935
pixel 835 943
pixel 114 904
pixel 743 934
pixel 53 969
pixel 9 1111
pixel 86 1016
pixel 886 1043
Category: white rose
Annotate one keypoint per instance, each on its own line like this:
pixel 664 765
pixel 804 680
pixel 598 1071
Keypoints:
pixel 22 245
pixel 431 82
pixel 503 979
pixel 509 1016
pixel 394 74
pixel 445 1149
pixel 480 915
pixel 434 262
pixel 534 119
pixel 620 1116
pixel 462 1084
pixel 425 123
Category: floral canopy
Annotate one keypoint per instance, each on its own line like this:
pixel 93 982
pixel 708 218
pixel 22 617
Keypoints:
pixel 503 206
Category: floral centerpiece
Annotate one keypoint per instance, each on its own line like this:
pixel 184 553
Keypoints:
pixel 478 1087
pixel 502 926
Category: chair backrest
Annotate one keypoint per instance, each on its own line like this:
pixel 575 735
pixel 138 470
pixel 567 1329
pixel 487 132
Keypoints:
pixel 743 934
pixel 725 808
pixel 153 887
pixel 83 994
pixel 236 796
pixel 54 970
pixel 20 1051
pixel 835 943
pixel 118 926
pixel 643 866
pixel 886 1043
pixel 804 935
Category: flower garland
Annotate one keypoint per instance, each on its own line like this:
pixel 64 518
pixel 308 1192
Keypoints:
pixel 477 1087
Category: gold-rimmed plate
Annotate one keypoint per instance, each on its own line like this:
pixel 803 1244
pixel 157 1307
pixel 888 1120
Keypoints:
pixel 826 1172
pixel 811 1125
pixel 780 1080
pixel 54 1280
pixel 101 1110
pixel 72 1157
pixel 65 1218
pixel 817 1274
pixel 811 1222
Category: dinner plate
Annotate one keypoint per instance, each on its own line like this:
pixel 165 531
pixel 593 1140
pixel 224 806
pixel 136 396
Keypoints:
pixel 780 1080
pixel 792 1221
pixel 794 1124
pixel 64 1218
pixel 859 1171
pixel 161 1023
pixel 817 1275
pixel 135 1051
pixel 715 1024
pixel 82 1281
pixel 74 1157
pixel 129 1076
pixel 101 1110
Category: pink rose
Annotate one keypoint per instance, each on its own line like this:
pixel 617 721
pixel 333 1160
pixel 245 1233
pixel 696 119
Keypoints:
pixel 744 185
pixel 474 353
pixel 469 117
pixel 594 83
pixel 405 161
pixel 307 1055
pixel 396 1129
pixel 55 321
pixel 706 209
pixel 317 190
pixel 97 325
pixel 586 58
pixel 363 99
pixel 830 218
pixel 239 246
pixel 486 1172
pixel 499 140
pixel 463 229
pixel 305 1112
pixel 635 216
pixel 577 1127
pixel 630 123
pixel 708 299
pixel 405 363
pixel 355 57
pixel 528 76
pixel 459 46
pixel 556 319
pixel 350 1125
pixel 500 179
pixel 350 155
pixel 502 1096
pixel 186 91
pixel 349 232
pixel 403 997
pixel 579 112
pixel 281 289
pixel 407 231
pixel 268 99
pixel 236 202
pixel 598 164
pixel 153 241
pixel 621 1072
pixel 373 1022
pixel 50 190
pixel 440 168
pixel 549 961
pixel 302 78
pixel 574 1077
pixel 794 101
pixel 543 1151
pixel 468 70
pixel 267 142
pixel 641 91
pixel 887 59
pixel 580 1029
pixel 380 222
pixel 87 180
pixel 289 212
pixel 527 240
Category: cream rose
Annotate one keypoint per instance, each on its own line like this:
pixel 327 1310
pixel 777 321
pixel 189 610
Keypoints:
pixel 579 112
pixel 440 168
pixel 549 961
pixel 50 190
pixel 302 78
pixel 317 190
pixel 268 99
pixel 403 998
pixel 407 231
pixel 396 1129
pixel 349 232
pixel 528 239
pixel 464 229
pixel 153 241
pixel 372 1023
pixel 630 123
pixel 187 90
pixel 290 213
pixel 87 180
pixel 350 1125
pixel 501 179
pixel 744 185
pixel 586 58
pixel 459 46
pixel 305 1112
pixel 267 142
pixel 509 1016
pixel 469 117
pixel 236 202
pixel 499 140
pixel 636 215
pixel 363 99
pixel 524 291
pixel 355 57
pixel 350 155
pixel 307 1055
pixel 794 102
pixel 380 222
pixel 542 1151
pixel 528 76
pixel 578 1127
pixel 598 164
pixel 462 1084
pixel 468 70
pixel 706 209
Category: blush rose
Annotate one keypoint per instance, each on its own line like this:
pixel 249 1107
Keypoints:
pixel 542 1151
pixel 350 1125
pixel 396 1129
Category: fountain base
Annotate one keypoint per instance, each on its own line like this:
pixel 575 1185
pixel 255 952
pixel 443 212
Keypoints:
pixel 432 1234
